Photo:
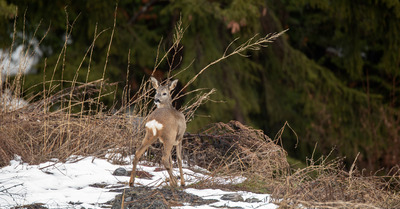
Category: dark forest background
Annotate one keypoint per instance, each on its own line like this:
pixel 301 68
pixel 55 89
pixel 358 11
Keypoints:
pixel 334 76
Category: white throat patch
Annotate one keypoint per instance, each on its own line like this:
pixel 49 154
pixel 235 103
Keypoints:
pixel 154 126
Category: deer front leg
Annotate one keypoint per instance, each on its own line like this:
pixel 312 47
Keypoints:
pixel 166 160
pixel 147 141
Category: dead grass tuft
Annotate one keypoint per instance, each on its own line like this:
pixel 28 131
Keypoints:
pixel 38 136
pixel 233 148
pixel 326 184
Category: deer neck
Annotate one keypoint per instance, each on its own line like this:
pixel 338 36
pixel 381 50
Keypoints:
pixel 168 105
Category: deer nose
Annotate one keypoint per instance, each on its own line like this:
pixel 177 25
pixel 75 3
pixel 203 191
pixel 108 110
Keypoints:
pixel 156 101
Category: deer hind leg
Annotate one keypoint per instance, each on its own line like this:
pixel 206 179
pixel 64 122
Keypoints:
pixel 166 160
pixel 147 141
pixel 179 159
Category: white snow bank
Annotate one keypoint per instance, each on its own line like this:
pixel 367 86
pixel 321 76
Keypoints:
pixel 67 185
pixel 21 59
pixel 57 184
pixel 10 101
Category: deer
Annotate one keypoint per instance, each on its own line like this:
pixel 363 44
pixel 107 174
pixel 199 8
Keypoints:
pixel 166 124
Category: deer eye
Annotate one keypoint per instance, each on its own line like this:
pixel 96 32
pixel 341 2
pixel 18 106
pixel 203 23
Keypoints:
pixel 164 94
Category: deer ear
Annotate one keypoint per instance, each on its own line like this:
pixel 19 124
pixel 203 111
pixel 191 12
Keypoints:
pixel 154 82
pixel 173 84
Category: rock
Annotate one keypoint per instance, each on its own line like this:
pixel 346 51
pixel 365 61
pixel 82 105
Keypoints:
pixel 75 203
pixel 120 172
pixel 33 206
pixel 233 197
pixel 252 200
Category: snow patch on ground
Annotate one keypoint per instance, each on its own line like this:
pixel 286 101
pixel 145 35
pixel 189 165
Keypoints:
pixel 11 102
pixel 21 60
pixel 217 194
pixel 67 185
pixel 57 184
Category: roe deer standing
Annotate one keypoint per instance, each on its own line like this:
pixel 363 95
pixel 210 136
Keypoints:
pixel 168 125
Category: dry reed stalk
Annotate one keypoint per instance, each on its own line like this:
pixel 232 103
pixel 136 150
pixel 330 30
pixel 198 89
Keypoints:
pixel 251 44
pixel 107 56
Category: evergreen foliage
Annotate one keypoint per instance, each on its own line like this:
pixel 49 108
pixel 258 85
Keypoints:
pixel 351 86
pixel 7 11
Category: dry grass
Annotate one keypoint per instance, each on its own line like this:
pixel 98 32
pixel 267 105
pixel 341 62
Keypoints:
pixel 236 149
pixel 326 184
pixel 38 135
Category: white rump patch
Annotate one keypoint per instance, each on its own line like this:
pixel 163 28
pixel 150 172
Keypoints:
pixel 154 126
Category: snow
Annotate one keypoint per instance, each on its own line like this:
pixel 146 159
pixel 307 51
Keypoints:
pixel 67 185
pixel 11 102
pixel 21 60
pixel 56 184
pixel 217 194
